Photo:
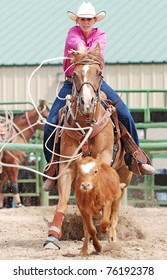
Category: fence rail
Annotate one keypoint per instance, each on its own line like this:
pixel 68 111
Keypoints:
pixel 148 97
pixel 158 145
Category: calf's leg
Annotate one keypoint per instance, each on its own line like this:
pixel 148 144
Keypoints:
pixel 84 249
pixel 91 230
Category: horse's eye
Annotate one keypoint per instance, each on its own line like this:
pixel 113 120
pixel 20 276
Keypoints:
pixel 74 75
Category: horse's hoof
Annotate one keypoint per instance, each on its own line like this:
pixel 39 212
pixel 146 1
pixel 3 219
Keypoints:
pixel 52 242
pixel 19 205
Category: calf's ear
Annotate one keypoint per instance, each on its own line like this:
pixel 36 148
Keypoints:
pixel 123 186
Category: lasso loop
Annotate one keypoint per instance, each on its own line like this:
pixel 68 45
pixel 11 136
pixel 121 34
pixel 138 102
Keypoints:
pixel 41 120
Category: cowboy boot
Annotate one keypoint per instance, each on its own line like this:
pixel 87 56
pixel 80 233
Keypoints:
pixel 138 162
pixel 48 185
pixel 51 170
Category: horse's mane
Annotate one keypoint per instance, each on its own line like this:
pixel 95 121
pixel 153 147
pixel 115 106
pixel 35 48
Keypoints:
pixel 94 55
pixel 21 116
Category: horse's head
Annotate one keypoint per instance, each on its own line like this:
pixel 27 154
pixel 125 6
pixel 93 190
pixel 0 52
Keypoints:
pixel 44 112
pixel 87 78
pixel 44 109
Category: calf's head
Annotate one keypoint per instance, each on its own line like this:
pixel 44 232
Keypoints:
pixel 87 169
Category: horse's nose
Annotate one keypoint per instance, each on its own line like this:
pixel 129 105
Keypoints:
pixel 87 104
pixel 89 107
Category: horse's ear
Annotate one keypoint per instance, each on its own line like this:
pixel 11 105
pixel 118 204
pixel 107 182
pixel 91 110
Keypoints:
pixel 42 103
pixel 122 186
pixel 97 49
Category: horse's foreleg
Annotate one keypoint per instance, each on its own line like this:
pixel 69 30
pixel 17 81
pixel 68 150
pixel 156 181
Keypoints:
pixel 3 180
pixel 112 235
pixel 15 191
pixel 106 156
pixel 1 197
pixel 64 190
pixel 124 174
pixel 1 200
pixel 13 177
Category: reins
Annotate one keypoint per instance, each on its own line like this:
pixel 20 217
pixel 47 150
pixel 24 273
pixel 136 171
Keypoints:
pixel 87 62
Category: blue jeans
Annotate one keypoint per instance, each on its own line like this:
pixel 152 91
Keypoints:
pixel 124 114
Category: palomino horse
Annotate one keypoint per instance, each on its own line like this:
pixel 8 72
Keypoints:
pixel 22 129
pixel 85 110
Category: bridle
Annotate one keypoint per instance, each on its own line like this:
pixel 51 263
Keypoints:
pixel 88 62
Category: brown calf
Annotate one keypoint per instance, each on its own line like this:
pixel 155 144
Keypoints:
pixel 97 187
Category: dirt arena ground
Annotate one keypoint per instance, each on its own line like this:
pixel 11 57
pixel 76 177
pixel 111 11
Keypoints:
pixel 142 235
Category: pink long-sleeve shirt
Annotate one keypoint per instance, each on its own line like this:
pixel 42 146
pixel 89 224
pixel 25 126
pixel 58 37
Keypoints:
pixel 75 38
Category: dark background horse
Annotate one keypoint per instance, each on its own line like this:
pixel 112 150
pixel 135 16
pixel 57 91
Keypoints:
pixel 22 130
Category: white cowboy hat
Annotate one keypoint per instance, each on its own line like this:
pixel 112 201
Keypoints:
pixel 86 10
